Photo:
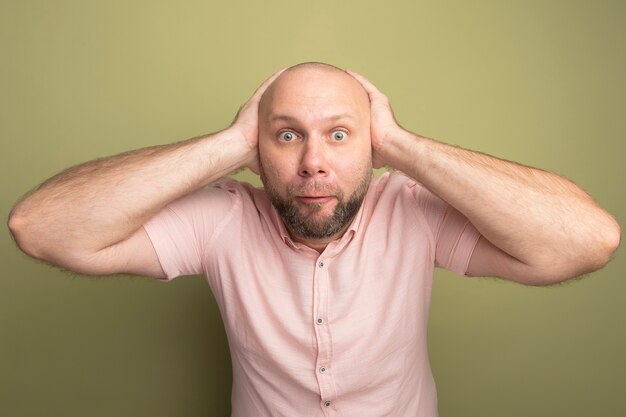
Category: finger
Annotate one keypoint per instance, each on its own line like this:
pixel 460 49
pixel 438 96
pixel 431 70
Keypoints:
pixel 367 85
pixel 259 91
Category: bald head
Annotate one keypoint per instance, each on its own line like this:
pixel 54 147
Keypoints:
pixel 315 65
pixel 312 83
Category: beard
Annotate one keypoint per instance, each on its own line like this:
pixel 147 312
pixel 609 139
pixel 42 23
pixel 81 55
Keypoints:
pixel 306 226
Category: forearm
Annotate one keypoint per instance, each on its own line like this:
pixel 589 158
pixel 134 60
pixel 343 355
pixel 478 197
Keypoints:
pixel 97 204
pixel 536 223
pixel 535 216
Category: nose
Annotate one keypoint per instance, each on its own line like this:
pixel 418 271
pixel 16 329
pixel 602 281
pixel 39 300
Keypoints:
pixel 314 162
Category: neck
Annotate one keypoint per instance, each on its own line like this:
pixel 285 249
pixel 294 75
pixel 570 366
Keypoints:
pixel 317 244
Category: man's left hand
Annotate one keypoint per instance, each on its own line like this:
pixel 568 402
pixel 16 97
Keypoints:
pixel 384 126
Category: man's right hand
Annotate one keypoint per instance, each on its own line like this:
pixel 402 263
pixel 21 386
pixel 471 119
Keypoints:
pixel 246 123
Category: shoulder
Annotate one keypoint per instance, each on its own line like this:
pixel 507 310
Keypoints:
pixel 399 184
pixel 392 192
pixel 396 184
pixel 218 198
pixel 242 192
pixel 396 189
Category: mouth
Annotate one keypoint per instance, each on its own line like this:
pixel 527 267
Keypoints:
pixel 310 199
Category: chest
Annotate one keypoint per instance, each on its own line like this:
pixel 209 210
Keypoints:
pixel 372 296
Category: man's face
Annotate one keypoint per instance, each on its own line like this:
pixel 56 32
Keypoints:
pixel 315 150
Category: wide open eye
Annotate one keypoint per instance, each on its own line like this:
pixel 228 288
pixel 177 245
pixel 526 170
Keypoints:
pixel 339 135
pixel 287 136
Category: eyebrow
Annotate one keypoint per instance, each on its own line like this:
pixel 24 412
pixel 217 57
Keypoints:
pixel 292 119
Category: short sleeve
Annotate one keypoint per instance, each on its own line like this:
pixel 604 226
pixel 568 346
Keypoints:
pixel 455 237
pixel 182 232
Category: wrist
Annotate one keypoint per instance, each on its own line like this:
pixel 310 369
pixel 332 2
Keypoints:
pixel 401 149
pixel 243 150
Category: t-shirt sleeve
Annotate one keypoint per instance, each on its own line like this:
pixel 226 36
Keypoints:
pixel 454 236
pixel 183 231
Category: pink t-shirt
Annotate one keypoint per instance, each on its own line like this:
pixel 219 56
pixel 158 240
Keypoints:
pixel 342 333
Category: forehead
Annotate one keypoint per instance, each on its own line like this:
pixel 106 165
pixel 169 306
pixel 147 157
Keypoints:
pixel 313 94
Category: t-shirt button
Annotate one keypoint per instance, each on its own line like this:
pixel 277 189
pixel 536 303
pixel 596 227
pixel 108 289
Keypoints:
pixel 319 321
pixel 327 403
pixel 321 264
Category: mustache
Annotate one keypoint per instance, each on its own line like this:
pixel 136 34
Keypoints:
pixel 316 187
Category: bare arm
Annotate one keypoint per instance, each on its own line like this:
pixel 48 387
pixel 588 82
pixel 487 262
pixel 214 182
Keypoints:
pixel 89 218
pixel 537 227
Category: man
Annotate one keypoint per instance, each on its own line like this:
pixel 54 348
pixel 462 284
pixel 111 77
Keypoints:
pixel 323 277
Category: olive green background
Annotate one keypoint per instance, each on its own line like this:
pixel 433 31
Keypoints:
pixel 539 82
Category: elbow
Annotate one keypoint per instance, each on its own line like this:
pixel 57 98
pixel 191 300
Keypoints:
pixel 599 249
pixel 592 254
pixel 30 240
pixel 608 241
pixel 19 227
pixel 14 222
pixel 16 225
